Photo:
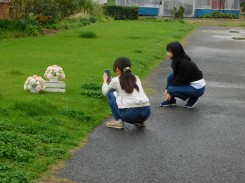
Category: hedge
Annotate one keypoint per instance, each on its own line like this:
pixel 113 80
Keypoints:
pixel 122 12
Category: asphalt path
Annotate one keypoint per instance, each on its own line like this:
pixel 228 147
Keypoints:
pixel 178 145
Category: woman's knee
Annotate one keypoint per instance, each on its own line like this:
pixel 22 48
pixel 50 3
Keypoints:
pixel 171 90
pixel 201 91
pixel 110 94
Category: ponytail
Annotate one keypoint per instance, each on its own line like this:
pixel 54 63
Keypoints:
pixel 127 78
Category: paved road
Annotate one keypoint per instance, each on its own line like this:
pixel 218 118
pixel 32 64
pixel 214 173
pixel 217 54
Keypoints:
pixel 206 144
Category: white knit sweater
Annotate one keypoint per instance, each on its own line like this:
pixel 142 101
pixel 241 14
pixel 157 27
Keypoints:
pixel 126 100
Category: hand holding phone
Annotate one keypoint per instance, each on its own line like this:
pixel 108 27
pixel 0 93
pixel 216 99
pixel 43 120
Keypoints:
pixel 107 71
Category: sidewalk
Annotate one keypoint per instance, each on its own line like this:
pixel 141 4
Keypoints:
pixel 179 145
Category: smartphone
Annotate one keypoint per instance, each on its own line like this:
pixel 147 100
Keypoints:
pixel 107 71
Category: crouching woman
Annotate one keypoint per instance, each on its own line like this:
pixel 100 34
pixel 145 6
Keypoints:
pixel 126 97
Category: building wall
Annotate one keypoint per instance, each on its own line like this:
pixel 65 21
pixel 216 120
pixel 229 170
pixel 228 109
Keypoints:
pixel 196 8
pixel 5 10
pixel 201 12
pixel 192 7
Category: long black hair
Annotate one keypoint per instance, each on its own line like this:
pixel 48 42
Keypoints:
pixel 126 78
pixel 178 52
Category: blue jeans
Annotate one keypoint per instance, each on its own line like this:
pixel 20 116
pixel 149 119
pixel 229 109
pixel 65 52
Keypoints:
pixel 129 115
pixel 183 92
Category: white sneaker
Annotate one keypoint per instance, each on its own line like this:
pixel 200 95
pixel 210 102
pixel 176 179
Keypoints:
pixel 115 124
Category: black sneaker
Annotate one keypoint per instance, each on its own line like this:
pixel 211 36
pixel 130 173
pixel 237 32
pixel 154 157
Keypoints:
pixel 170 103
pixel 191 103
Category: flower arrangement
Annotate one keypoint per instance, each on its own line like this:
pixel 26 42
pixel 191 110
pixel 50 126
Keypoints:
pixel 35 83
pixel 54 72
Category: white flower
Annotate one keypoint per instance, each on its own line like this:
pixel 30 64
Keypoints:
pixel 54 71
pixel 35 82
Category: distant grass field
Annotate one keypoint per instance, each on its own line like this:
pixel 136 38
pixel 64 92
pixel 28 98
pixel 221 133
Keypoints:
pixel 39 130
pixel 217 22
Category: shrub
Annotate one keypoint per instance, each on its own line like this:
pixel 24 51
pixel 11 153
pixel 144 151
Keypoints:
pixel 85 21
pixel 92 19
pixel 5 24
pixel 32 30
pixel 217 14
pixel 44 19
pixel 122 12
pixel 15 25
pixel 88 35
pixel 67 7
pixel 178 13
pixel 45 8
pixel 242 5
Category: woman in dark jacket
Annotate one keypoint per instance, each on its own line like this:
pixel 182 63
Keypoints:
pixel 186 82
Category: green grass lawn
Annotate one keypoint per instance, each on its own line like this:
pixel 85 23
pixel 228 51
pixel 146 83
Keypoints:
pixel 39 130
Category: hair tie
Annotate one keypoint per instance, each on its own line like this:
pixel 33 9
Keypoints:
pixel 126 69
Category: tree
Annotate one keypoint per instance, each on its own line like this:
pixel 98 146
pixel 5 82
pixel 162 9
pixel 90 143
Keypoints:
pixel 22 8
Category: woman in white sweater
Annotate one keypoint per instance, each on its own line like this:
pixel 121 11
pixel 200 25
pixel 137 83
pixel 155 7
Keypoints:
pixel 126 96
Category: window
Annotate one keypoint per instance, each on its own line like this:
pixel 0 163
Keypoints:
pixel 205 4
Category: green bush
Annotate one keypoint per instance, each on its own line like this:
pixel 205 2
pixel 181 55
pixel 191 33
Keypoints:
pixel 85 21
pixel 5 24
pixel 92 19
pixel 88 34
pixel 178 13
pixel 218 14
pixel 122 12
pixel 45 8
pixel 242 5
pixel 67 7
pixel 33 30
pixel 12 25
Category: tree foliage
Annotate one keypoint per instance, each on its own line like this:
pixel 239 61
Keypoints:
pixel 53 8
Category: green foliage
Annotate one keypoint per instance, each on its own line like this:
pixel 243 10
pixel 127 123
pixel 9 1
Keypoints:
pixel 67 7
pixel 15 25
pixel 12 174
pixel 34 108
pixel 111 2
pixel 92 90
pixel 32 30
pixel 85 21
pixel 122 12
pixel 77 115
pixel 90 7
pixel 88 34
pixel 55 8
pixel 242 5
pixel 218 14
pixel 45 8
pixel 16 147
pixel 178 13
pixel 38 25
pixel 92 19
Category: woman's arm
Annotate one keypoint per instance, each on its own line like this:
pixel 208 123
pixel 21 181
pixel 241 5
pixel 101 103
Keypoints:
pixel 106 87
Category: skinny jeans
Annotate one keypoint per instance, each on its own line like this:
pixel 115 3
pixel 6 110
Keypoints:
pixel 129 115
pixel 183 92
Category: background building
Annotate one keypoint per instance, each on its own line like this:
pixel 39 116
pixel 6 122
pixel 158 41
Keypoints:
pixel 193 8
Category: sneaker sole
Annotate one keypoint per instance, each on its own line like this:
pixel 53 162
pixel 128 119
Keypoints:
pixel 139 125
pixel 169 105
pixel 190 107
pixel 117 127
